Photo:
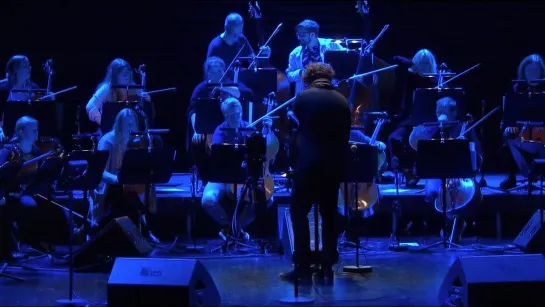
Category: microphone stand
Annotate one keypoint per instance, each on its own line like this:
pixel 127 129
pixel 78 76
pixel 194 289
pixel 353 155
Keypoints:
pixel 482 181
pixel 71 301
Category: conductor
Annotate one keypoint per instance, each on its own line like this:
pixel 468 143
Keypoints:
pixel 323 117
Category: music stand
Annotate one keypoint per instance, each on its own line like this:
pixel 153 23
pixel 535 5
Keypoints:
pixel 430 164
pixel 142 166
pixel 262 81
pixel 538 169
pixel 227 165
pixel 43 111
pixel 361 167
pixel 210 117
pixel 110 109
pixel 425 104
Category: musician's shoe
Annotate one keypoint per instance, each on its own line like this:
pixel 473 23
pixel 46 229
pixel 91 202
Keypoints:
pixel 305 276
pixel 509 182
pixel 225 233
pixel 244 236
pixel 326 272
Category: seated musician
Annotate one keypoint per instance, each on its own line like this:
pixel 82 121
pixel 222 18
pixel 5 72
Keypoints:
pixel 446 110
pixel 408 78
pixel 18 73
pixel 215 192
pixel 119 72
pixel 214 68
pixel 531 68
pixel 112 199
pixel 26 134
pixel 312 50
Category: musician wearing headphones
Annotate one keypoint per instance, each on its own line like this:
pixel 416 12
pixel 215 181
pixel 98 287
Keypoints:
pixel 113 200
pixel 119 72
pixel 312 50
pixel 215 192
pixel 409 76
pixel 214 69
pixel 530 68
pixel 21 145
pixel 18 71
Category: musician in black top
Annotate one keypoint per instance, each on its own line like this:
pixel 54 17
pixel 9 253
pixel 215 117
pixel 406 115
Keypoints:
pixel 324 119
pixel 214 68
pixel 409 77
pixel 530 68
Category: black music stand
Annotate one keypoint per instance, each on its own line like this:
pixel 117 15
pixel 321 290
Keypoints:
pixel 430 163
pixel 425 103
pixel 227 165
pixel 43 111
pixel 110 109
pixel 538 169
pixel 262 81
pixel 361 167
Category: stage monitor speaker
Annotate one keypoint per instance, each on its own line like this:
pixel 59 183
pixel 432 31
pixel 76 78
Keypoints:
pixel 494 280
pixel 531 236
pixel 119 238
pixel 150 281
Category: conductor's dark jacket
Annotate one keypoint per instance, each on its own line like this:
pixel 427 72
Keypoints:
pixel 324 128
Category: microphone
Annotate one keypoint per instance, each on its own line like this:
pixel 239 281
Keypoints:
pixel 293 118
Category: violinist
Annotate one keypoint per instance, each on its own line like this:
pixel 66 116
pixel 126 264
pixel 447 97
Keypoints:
pixel 530 68
pixel 227 45
pixel 18 73
pixel 215 192
pixel 112 199
pixel 21 145
pixel 409 76
pixel 119 72
pixel 312 50
pixel 214 69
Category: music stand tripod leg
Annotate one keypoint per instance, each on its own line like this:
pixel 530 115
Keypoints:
pixel 3 267
pixel 357 268
pixel 249 189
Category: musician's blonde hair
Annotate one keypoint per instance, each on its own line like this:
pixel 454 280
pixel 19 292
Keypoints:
pixel 229 103
pixel 424 62
pixel 121 135
pixel 531 59
pixel 447 104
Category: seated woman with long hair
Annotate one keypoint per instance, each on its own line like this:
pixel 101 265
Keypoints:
pixel 113 199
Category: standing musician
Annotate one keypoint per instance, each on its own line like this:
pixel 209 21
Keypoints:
pixel 409 77
pixel 226 45
pixel 119 72
pixel 324 119
pixel 312 50
pixel 112 199
pixel 215 192
pixel 214 68
pixel 18 72
pixel 22 146
pixel 530 68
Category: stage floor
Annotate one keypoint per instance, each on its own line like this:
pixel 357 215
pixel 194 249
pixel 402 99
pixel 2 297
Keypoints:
pixel 398 279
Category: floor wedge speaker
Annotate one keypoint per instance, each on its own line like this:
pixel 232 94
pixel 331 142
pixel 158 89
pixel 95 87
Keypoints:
pixel 495 280
pixel 160 281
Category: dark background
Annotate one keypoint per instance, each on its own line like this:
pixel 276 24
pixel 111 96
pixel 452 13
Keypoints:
pixel 171 38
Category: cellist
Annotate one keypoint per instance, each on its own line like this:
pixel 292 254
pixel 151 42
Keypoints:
pixel 214 192
pixel 530 68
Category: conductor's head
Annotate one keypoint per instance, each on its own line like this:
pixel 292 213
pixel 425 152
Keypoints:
pixel 318 72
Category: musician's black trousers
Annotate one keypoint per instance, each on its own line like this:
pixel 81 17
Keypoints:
pixel 200 159
pixel 321 188
pixel 398 145
pixel 120 203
